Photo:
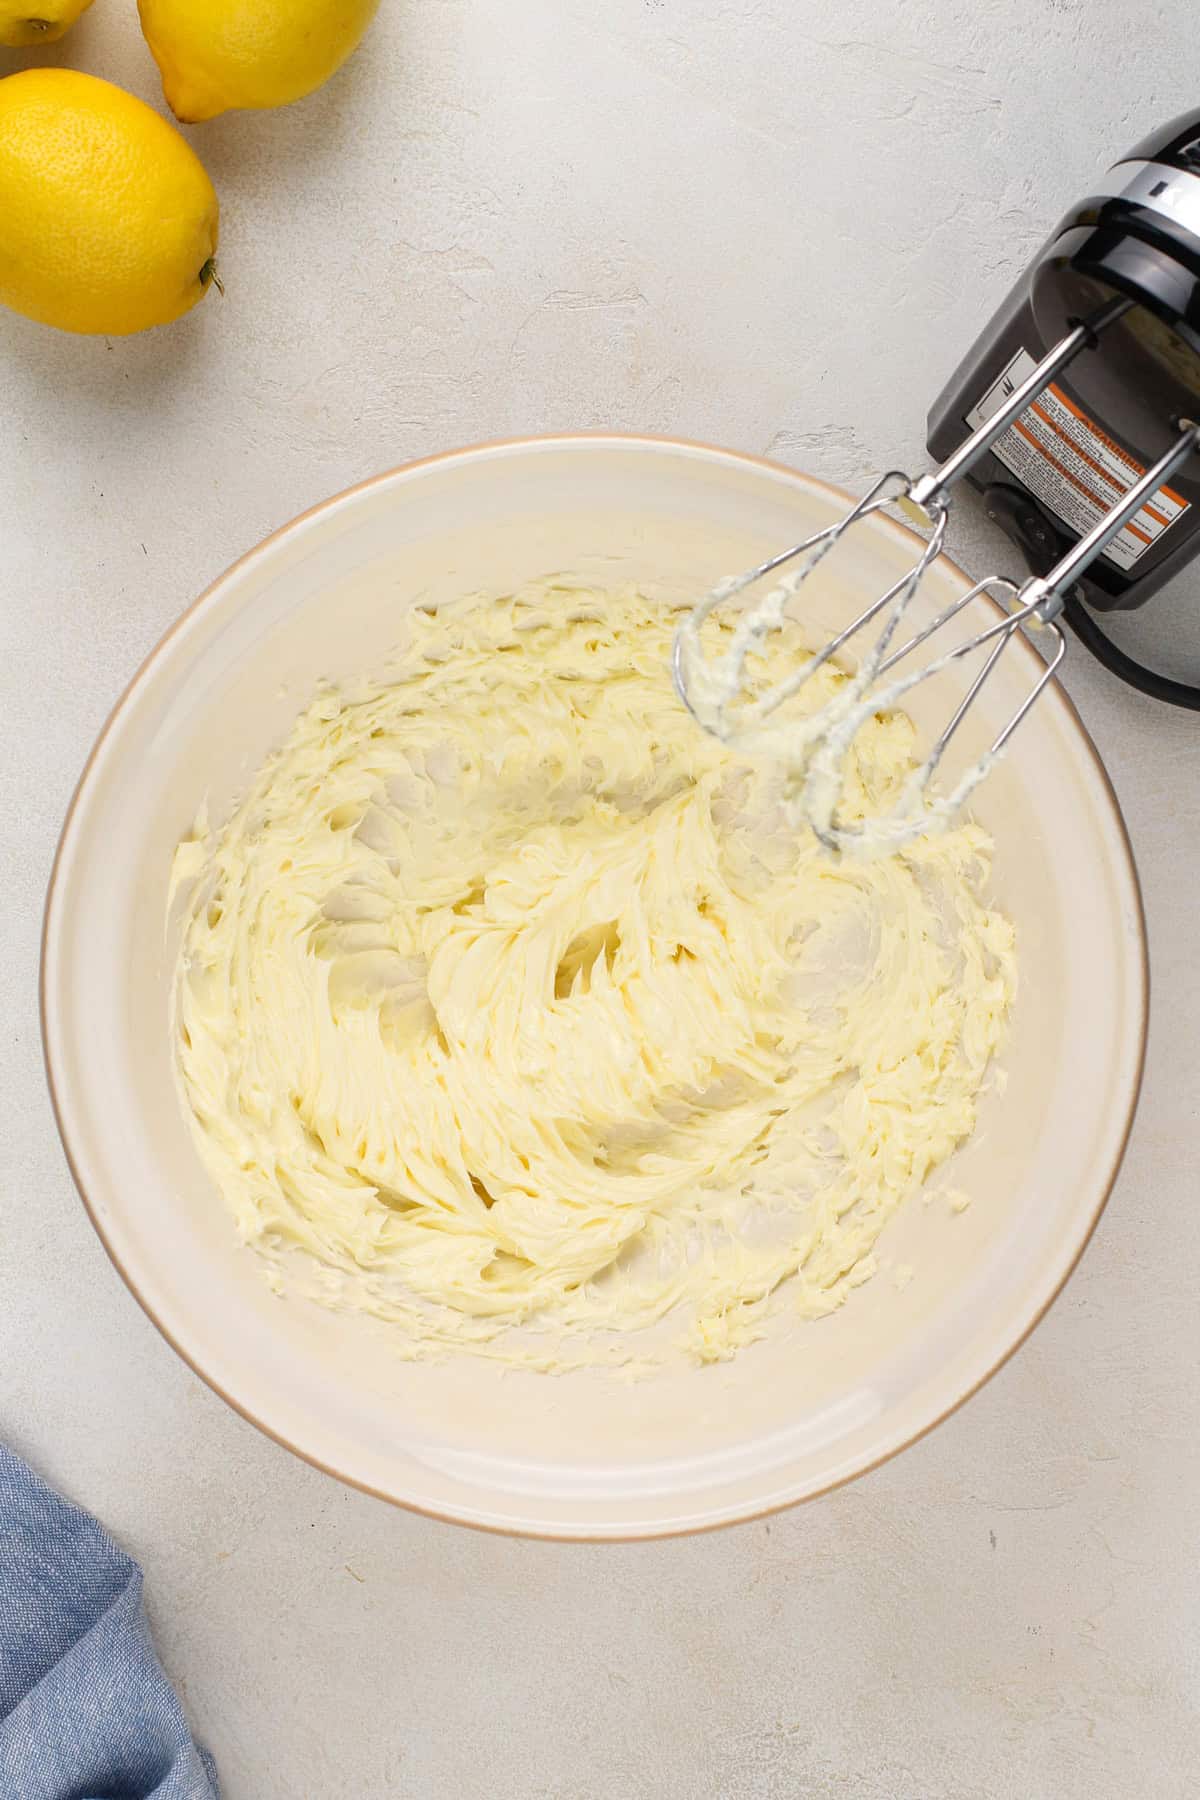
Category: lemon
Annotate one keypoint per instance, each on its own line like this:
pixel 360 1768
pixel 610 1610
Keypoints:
pixel 108 222
pixel 217 54
pixel 25 22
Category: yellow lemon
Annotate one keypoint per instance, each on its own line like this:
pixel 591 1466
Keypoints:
pixel 217 54
pixel 25 22
pixel 108 221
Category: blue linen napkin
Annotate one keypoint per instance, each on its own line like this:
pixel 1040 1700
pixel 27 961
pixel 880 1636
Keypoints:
pixel 86 1712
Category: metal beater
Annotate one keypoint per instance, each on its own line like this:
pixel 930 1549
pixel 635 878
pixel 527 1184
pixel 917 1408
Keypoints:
pixel 714 688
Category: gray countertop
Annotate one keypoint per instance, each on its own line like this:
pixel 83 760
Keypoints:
pixel 768 223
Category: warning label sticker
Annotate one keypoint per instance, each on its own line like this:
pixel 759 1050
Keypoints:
pixel 1072 466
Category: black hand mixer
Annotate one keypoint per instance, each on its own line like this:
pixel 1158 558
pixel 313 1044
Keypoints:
pixel 1076 412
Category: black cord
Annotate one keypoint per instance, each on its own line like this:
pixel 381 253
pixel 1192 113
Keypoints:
pixel 1159 687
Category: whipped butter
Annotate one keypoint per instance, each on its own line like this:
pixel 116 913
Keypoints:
pixel 516 1010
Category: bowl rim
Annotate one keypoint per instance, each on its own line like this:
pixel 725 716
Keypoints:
pixel 1054 695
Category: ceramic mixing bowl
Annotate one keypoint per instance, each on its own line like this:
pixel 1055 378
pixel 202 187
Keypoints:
pixel 586 1454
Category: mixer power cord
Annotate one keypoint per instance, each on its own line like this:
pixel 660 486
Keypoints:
pixel 1147 681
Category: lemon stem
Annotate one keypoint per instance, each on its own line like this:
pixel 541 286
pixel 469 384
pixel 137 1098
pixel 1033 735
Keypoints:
pixel 209 273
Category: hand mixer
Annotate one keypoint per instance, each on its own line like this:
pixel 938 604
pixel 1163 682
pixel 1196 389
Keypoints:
pixel 1078 469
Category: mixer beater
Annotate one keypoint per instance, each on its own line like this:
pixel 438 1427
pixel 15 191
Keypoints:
pixel 709 687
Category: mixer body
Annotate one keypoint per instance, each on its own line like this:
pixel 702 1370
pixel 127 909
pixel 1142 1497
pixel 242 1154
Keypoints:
pixel 1086 440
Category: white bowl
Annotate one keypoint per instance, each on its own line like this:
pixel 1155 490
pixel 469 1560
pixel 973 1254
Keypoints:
pixel 587 1454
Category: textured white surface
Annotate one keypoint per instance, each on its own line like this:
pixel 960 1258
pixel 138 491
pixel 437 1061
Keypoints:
pixel 764 222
